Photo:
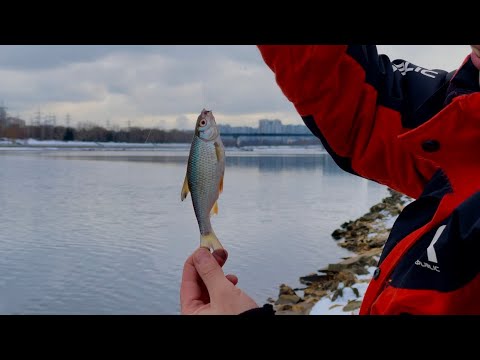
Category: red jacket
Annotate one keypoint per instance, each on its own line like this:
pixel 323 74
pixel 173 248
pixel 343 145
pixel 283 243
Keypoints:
pixel 414 130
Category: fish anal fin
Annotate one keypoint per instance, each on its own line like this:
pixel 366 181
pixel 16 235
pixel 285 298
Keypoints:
pixel 214 210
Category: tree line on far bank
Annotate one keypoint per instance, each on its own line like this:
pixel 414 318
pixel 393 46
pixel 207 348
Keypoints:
pixel 94 133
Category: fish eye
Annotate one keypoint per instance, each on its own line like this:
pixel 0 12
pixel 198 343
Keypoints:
pixel 203 122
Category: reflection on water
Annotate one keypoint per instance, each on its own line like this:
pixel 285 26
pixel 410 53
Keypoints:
pixel 321 161
pixel 106 232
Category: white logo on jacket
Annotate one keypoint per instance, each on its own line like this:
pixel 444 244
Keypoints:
pixel 431 253
pixel 403 68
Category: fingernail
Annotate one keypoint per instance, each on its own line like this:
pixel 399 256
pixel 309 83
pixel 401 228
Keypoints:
pixel 202 256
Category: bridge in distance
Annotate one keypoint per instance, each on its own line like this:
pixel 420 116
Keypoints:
pixel 264 134
pixel 237 136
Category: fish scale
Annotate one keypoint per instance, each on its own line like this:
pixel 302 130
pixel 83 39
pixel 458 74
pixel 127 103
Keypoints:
pixel 204 177
pixel 203 181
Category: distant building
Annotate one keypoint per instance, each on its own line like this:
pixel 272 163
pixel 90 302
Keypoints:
pixel 270 126
pixel 265 126
pixel 227 129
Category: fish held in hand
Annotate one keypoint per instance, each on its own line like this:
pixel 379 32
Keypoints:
pixel 204 177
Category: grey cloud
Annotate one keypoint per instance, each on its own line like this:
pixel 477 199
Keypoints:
pixel 182 122
pixel 171 71
pixel 193 53
pixel 49 87
pixel 32 57
pixel 162 81
pixel 221 82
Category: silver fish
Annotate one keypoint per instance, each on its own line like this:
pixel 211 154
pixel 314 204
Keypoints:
pixel 204 177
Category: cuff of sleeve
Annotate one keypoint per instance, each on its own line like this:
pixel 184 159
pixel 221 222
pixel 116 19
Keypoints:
pixel 265 310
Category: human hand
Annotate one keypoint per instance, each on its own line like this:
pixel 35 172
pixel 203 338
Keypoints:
pixel 205 290
pixel 476 49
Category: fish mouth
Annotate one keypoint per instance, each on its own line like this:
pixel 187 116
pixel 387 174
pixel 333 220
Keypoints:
pixel 205 113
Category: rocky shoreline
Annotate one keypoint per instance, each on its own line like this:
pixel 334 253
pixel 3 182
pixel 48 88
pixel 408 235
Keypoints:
pixel 339 288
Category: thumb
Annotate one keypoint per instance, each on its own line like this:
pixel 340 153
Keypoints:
pixel 208 269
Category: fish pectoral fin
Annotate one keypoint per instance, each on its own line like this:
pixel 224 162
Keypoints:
pixel 185 189
pixel 214 209
pixel 220 188
pixel 218 152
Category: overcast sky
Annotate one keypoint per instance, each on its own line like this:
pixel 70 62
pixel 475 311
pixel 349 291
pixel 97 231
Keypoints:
pixel 162 86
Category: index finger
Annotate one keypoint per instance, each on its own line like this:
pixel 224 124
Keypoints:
pixel 190 291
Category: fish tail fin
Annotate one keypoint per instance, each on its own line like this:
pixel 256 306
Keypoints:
pixel 210 241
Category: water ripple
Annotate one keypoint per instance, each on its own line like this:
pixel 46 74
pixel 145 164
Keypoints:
pixel 82 236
